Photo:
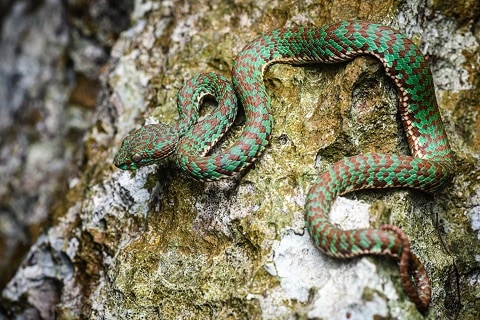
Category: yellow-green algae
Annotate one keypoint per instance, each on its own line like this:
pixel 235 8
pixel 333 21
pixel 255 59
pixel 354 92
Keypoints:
pixel 207 268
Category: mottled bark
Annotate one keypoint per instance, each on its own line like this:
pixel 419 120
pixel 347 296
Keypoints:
pixel 156 244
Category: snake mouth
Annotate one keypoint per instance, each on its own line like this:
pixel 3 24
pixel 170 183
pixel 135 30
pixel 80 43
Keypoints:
pixel 123 166
pixel 119 163
pixel 124 163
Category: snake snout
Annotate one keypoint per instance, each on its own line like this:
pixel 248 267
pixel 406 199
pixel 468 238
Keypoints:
pixel 145 146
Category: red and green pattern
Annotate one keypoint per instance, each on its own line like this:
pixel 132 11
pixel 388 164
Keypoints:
pixel 427 169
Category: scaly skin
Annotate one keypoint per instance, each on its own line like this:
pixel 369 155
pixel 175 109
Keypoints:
pixel 429 167
pixel 153 142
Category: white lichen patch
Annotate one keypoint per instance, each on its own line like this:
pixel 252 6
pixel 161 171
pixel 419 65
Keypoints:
pixel 326 286
pixel 440 37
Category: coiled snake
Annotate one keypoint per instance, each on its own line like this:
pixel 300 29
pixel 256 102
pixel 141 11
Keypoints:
pixel 429 167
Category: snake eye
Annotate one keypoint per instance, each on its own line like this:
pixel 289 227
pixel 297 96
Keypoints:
pixel 137 158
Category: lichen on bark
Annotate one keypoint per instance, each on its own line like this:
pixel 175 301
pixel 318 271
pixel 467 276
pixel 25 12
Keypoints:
pixel 155 244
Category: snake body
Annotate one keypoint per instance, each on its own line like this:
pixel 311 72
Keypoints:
pixel 427 169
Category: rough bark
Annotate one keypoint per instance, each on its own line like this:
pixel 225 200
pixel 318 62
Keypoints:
pixel 156 244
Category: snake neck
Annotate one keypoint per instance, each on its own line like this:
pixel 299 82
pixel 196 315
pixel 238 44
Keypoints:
pixel 190 99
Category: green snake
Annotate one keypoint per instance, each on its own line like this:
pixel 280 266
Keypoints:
pixel 428 168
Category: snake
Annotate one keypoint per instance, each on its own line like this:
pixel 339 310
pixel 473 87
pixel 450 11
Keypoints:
pixel 428 168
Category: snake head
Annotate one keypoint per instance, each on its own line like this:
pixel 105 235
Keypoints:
pixel 145 146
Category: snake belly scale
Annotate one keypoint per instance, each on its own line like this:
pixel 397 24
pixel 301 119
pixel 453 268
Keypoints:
pixel 428 168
